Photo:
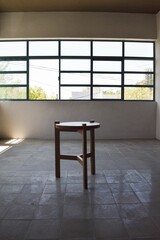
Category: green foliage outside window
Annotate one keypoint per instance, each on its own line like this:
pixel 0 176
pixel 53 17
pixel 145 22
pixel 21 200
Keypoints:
pixel 37 93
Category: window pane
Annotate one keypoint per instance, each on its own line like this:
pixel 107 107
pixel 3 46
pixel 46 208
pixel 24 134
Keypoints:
pixel 13 49
pixel 138 93
pixel 107 48
pixel 13 93
pixel 106 93
pixel 107 66
pixel 138 79
pixel 43 48
pixel 75 78
pixel 76 93
pixel 107 79
pixel 75 65
pixel 74 48
pixel 12 79
pixel 43 79
pixel 13 66
pixel 139 65
pixel 138 49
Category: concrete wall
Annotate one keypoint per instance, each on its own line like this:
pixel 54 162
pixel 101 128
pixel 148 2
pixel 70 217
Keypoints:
pixel 158 77
pixel 77 24
pixel 119 120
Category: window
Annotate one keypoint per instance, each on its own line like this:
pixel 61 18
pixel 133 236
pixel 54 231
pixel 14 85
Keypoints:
pixel 139 71
pixel 13 70
pixel 77 70
pixel 43 79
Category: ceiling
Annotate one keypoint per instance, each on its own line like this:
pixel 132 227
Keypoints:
pixel 128 6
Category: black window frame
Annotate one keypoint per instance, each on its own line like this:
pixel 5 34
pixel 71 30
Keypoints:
pixel 91 58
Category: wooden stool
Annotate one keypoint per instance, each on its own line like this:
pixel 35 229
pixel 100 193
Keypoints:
pixel 81 127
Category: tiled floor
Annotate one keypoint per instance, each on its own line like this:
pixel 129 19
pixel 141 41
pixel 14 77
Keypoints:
pixel 122 201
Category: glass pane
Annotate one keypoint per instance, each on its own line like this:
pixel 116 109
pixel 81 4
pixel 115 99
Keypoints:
pixel 138 79
pixel 13 49
pixel 13 79
pixel 106 93
pixel 75 78
pixel 107 66
pixel 43 79
pixel 74 48
pixel 107 79
pixel 107 48
pixel 76 93
pixel 138 49
pixel 13 66
pixel 139 65
pixel 138 93
pixel 75 65
pixel 13 93
pixel 43 48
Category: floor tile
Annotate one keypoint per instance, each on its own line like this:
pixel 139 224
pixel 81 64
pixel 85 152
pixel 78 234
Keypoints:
pixel 77 211
pixel 116 179
pixel 54 188
pixel 99 187
pixel 105 211
pixel 110 228
pixel 147 197
pixel 33 188
pixel 141 187
pixel 102 198
pixel 132 211
pixel 72 187
pixel 143 227
pixel 7 199
pixel 51 211
pixel 11 188
pixel 51 198
pixel 30 199
pixel 44 229
pixel 22 212
pixel 123 195
pixel 132 176
pixel 153 209
pixel 120 187
pixel 3 211
pixel 77 197
pixel 13 229
pixel 77 228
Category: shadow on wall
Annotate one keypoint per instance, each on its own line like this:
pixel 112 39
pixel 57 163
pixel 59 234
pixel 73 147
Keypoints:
pixel 8 118
pixel 13 121
pixel 4 124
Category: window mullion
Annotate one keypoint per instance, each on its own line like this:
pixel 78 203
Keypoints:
pixel 27 70
pixel 123 56
pixel 91 76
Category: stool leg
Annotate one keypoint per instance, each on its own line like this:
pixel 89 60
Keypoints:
pixel 57 152
pixel 84 145
pixel 92 150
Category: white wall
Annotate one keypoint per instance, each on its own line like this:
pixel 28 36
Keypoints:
pixel 119 120
pixel 158 77
pixel 77 24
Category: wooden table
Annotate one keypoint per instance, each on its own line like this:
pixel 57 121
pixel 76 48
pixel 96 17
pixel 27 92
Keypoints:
pixel 82 128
